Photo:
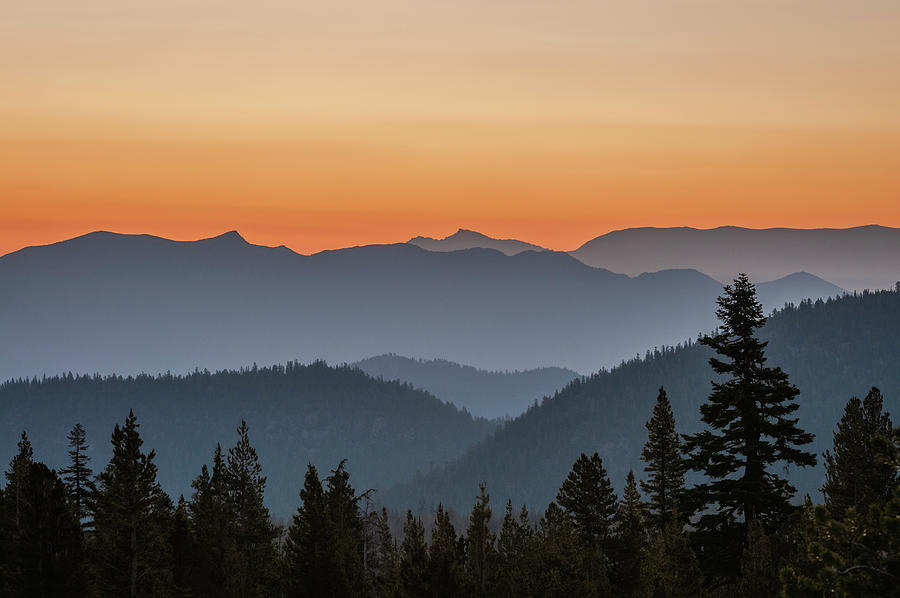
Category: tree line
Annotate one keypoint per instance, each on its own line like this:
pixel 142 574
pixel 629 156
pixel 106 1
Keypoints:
pixel 715 514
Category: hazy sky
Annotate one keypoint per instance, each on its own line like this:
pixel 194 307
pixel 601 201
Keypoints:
pixel 322 124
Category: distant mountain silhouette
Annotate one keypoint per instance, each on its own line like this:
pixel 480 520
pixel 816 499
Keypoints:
pixel 470 239
pixel 297 414
pixel 831 350
pixel 480 392
pixel 107 303
pixel 852 258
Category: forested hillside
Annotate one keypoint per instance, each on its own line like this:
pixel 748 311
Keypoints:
pixel 832 350
pixel 297 414
pixel 483 393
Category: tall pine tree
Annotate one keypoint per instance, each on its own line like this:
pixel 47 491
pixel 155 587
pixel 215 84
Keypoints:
pixel 664 465
pixel 854 477
pixel 250 550
pixel 749 431
pixel 481 563
pixel 312 568
pixel 588 499
pixel 414 564
pixel 631 538
pixel 77 474
pixel 131 516
pixel 210 511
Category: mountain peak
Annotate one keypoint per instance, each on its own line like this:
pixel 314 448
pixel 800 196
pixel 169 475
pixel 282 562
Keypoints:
pixel 465 238
pixel 231 236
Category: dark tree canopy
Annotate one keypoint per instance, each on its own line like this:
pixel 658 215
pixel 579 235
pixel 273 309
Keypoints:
pixel 749 430
pixel 587 497
pixel 664 464
pixel 854 476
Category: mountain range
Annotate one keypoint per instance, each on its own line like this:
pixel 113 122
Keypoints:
pixel 113 303
pixel 864 257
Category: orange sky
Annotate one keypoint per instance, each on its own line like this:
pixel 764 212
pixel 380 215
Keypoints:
pixel 323 124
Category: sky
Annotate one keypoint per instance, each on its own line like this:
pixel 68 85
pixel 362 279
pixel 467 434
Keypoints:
pixel 323 124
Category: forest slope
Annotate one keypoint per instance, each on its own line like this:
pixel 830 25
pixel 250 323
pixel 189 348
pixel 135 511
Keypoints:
pixel 297 414
pixel 832 350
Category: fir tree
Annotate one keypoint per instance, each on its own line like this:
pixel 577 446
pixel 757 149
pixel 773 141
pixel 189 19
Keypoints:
pixel 670 568
pixel 78 474
pixel 853 475
pixel 15 479
pixel 749 430
pixel 513 552
pixel 250 550
pixel 588 499
pixel 210 512
pixel 445 567
pixel 47 549
pixel 312 568
pixel 131 515
pixel 664 465
pixel 559 563
pixel 382 560
pixel 414 565
pixel 631 536
pixel 343 511
pixel 480 551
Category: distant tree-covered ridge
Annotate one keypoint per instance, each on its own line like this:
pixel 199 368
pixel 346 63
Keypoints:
pixel 830 349
pixel 302 413
pixel 483 393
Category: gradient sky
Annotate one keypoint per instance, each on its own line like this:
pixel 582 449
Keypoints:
pixel 320 124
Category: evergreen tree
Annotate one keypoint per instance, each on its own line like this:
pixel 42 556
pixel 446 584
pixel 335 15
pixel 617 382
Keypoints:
pixel 670 568
pixel 853 475
pixel 558 562
pixel 480 551
pixel 382 560
pixel 343 511
pixel 588 499
pixel 749 430
pixel 514 546
pixel 15 480
pixel 312 568
pixel 250 551
pixel 414 565
pixel 858 555
pixel 210 513
pixel 46 549
pixel 664 465
pixel 445 567
pixel 631 536
pixel 78 474
pixel 131 514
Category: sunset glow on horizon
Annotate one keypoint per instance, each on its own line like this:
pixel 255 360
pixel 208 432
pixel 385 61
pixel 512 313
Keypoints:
pixel 321 124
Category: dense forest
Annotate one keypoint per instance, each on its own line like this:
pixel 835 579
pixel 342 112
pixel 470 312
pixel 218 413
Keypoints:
pixel 734 532
pixel 480 392
pixel 831 349
pixel 302 413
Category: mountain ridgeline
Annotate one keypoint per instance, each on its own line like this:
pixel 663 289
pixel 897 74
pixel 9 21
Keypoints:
pixel 481 393
pixel 127 304
pixel 863 257
pixel 832 350
pixel 297 414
